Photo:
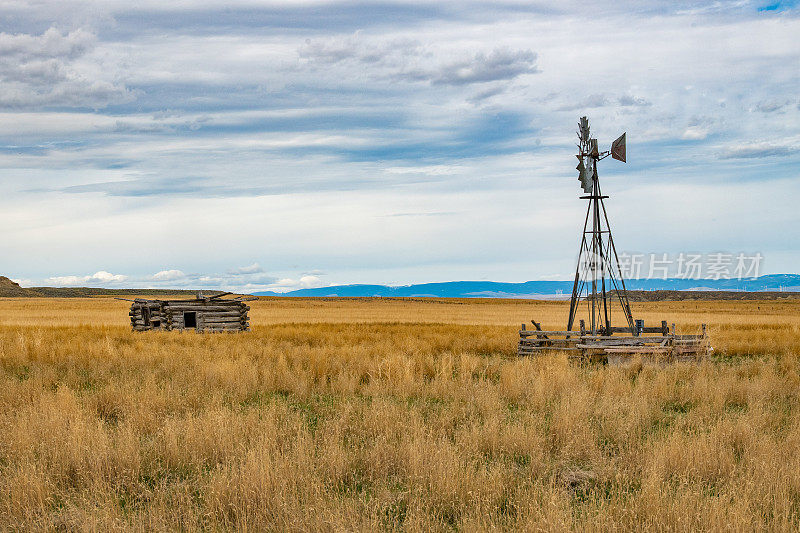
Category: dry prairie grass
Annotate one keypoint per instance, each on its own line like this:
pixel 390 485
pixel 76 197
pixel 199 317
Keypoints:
pixel 393 415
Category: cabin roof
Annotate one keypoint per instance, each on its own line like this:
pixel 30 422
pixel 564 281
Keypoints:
pixel 216 299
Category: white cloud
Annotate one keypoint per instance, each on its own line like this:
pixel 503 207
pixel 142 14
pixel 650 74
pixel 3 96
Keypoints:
pixel 628 100
pixel 771 105
pixel 168 275
pixel 59 281
pixel 500 64
pixel 758 150
pixel 429 170
pixel 101 277
pixel 588 102
pixel 695 133
pixel 51 44
pixel 309 282
pixel 51 69
pixel 699 128
pixel 253 279
pixel 107 277
pixel 255 268
pixel 407 59
pixel 304 282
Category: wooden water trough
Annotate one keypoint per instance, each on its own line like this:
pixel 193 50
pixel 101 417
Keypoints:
pixel 653 344
pixel 204 313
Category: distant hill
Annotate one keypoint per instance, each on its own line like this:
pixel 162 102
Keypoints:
pixel 658 296
pixel 11 289
pixel 538 289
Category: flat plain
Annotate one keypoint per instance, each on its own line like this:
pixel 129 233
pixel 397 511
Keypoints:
pixel 392 414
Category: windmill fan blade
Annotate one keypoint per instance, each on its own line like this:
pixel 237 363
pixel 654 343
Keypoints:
pixel 618 148
pixel 586 179
pixel 584 127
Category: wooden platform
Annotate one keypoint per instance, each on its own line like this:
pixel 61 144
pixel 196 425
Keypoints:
pixel 665 347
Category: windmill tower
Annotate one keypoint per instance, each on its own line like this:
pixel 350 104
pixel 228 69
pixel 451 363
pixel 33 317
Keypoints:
pixel 598 271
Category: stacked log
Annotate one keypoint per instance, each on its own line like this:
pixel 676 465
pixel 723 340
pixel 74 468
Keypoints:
pixel 210 314
pixel 147 314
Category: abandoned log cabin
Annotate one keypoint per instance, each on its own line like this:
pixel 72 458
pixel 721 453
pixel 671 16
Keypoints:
pixel 204 313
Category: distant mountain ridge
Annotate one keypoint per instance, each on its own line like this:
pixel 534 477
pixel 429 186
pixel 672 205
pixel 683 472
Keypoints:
pixel 533 289
pixel 772 283
pixel 12 289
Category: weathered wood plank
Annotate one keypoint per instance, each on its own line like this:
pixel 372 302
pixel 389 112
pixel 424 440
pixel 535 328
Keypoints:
pixel 201 309
pixel 637 349
pixel 533 333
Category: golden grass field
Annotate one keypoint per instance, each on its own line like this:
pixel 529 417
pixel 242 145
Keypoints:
pixel 392 415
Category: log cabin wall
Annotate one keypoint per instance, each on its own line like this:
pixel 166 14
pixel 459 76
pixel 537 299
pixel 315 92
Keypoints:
pixel 202 314
pixel 147 314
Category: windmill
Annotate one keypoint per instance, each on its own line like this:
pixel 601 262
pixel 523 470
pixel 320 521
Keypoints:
pixel 597 275
pixel 598 270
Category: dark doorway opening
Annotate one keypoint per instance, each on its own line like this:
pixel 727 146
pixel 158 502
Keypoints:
pixel 146 316
pixel 190 319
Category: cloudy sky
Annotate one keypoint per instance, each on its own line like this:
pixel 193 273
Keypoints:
pixel 276 145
